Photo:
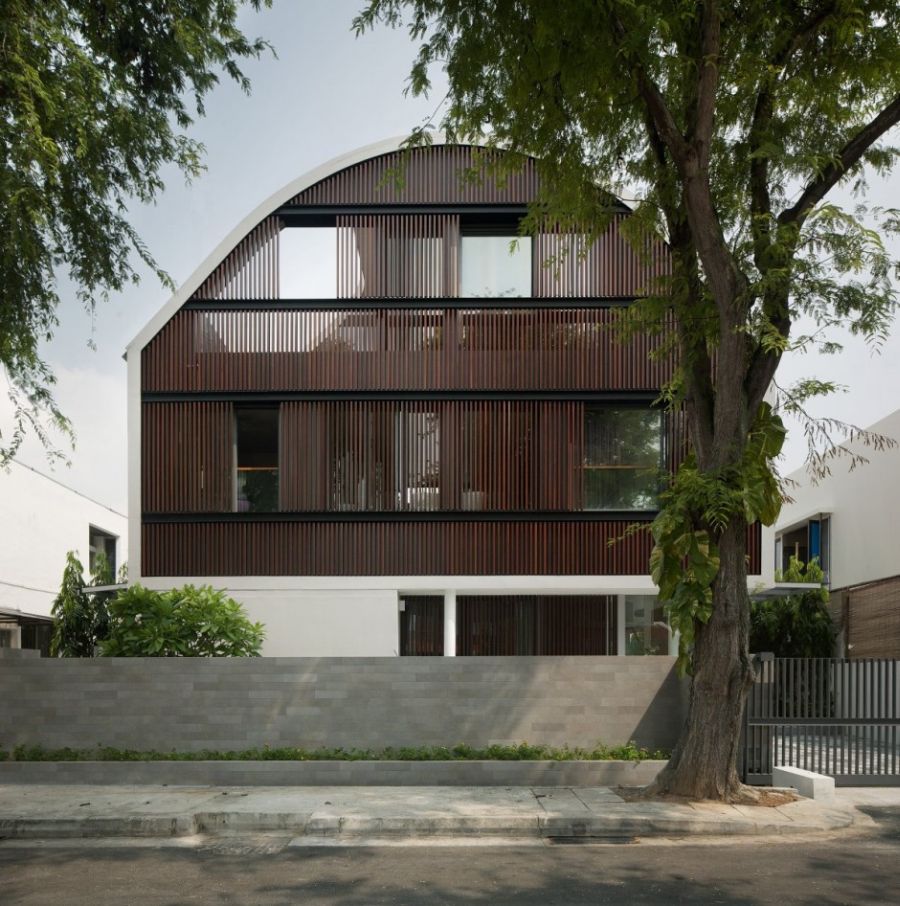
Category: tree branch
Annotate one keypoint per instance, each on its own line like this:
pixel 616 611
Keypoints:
pixel 846 158
pixel 707 81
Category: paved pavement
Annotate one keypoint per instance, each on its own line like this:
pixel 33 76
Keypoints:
pixel 349 813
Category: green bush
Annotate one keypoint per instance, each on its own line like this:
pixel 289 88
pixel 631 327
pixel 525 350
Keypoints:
pixel 796 625
pixel 183 622
pixel 460 752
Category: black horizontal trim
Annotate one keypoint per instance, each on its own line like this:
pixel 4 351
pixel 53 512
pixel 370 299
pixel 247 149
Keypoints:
pixel 519 303
pixel 408 516
pixel 500 211
pixel 633 397
pixel 470 212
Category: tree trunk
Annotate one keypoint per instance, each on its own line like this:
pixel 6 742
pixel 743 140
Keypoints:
pixel 704 762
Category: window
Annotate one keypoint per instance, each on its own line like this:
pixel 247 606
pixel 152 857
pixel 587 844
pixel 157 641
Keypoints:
pixel 257 460
pixel 623 455
pixel 100 542
pixel 490 269
pixel 647 629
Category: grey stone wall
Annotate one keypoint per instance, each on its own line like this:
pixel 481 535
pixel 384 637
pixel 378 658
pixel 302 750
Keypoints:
pixel 189 704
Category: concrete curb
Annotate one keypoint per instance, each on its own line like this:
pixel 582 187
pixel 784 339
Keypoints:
pixel 333 773
pixel 351 826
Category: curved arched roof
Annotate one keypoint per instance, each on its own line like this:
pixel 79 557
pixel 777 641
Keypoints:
pixel 338 181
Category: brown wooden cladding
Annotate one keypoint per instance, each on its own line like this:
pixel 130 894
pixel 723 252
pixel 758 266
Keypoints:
pixel 250 271
pixel 407 256
pixel 391 549
pixel 397 549
pixel 873 619
pixel 422 625
pixel 433 175
pixel 535 625
pixel 402 349
pixel 187 457
pixel 496 455
pixel 566 265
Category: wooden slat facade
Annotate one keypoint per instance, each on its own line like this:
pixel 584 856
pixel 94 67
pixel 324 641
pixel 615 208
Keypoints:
pixel 531 548
pixel 422 626
pixel 490 625
pixel 402 348
pixel 441 174
pixel 408 332
pixel 187 457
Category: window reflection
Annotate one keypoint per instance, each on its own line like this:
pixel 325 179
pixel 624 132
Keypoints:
pixel 647 629
pixel 491 269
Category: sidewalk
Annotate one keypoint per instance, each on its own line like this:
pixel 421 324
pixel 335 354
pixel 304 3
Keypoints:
pixel 59 811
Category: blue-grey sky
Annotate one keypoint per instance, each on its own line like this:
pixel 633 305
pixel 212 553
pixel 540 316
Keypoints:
pixel 326 93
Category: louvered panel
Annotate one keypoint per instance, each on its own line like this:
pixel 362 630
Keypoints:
pixel 422 625
pixel 250 271
pixel 398 548
pixel 187 461
pixel 566 265
pixel 562 625
pixel 441 174
pixel 403 349
pixel 398 256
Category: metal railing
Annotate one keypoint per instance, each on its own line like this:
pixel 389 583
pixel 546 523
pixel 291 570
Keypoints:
pixel 830 715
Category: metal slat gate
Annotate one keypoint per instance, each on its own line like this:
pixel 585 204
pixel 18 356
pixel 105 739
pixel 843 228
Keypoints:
pixel 829 715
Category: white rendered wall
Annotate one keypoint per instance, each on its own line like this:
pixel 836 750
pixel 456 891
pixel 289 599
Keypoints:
pixel 325 623
pixel 40 521
pixel 865 525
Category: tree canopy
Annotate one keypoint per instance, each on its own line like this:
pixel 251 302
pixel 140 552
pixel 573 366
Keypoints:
pixel 733 123
pixel 95 98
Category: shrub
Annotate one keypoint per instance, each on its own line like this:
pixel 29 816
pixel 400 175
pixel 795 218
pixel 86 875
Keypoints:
pixel 184 622
pixel 796 625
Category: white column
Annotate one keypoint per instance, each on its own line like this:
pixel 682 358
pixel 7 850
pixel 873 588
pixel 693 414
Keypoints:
pixel 620 625
pixel 449 624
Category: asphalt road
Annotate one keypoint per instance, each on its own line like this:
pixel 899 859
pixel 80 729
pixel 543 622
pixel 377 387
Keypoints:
pixel 853 870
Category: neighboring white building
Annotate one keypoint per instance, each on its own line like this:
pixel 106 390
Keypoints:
pixel 850 521
pixel 42 520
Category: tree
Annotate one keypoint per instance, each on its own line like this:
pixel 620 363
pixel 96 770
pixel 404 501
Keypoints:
pixel 184 622
pixel 80 620
pixel 734 122
pixel 795 625
pixel 94 98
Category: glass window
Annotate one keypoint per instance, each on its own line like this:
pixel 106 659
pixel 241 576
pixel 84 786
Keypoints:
pixel 490 268
pixel 257 460
pixel 100 542
pixel 647 628
pixel 307 263
pixel 623 455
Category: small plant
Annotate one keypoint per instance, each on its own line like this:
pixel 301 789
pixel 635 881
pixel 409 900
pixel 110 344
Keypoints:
pixel 461 752
pixel 184 622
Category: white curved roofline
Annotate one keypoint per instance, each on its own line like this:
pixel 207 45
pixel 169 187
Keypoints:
pixel 255 217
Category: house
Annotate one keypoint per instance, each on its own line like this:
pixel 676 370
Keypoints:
pixel 43 520
pixel 849 521
pixel 388 429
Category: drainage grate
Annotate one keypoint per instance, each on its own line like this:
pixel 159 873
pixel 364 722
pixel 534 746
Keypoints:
pixel 610 840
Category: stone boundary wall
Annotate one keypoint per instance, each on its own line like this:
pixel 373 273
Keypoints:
pixel 191 704
pixel 333 773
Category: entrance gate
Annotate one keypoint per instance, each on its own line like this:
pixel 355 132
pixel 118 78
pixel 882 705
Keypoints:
pixel 830 715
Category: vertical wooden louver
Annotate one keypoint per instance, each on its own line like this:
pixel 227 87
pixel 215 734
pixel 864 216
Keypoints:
pixel 251 270
pixel 398 256
pixel 441 174
pixel 566 265
pixel 187 464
